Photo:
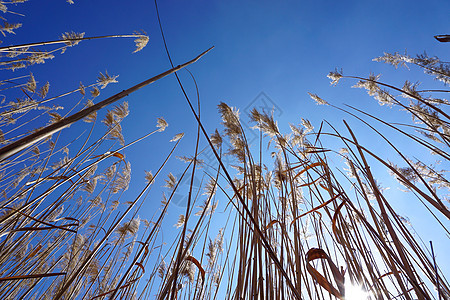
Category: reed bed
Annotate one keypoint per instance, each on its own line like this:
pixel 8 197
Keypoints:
pixel 298 215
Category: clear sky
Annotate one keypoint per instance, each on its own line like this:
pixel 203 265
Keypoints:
pixel 282 49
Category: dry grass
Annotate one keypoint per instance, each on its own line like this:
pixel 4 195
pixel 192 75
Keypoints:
pixel 297 224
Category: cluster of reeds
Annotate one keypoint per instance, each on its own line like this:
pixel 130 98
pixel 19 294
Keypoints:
pixel 64 232
pixel 307 228
pixel 291 223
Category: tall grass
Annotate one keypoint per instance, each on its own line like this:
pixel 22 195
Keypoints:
pixel 292 222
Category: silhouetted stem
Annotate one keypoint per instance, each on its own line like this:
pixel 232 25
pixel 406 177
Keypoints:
pixel 10 48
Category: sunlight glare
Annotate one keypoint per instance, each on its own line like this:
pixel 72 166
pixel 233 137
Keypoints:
pixel 354 292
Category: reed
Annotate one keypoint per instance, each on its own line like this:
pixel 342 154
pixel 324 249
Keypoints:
pixel 302 214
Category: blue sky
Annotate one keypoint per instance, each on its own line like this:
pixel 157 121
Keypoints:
pixel 284 49
pixel 281 48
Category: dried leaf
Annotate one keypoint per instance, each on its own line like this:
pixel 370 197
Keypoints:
pixel 310 183
pixel 316 253
pixel 316 208
pixel 309 167
pixel 324 187
pixel 271 224
pixel 119 155
pixel 141 266
pixel 333 222
pixel 199 266
pixel 34 252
